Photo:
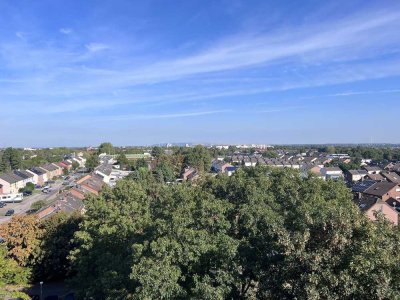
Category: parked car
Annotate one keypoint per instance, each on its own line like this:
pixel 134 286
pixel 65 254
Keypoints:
pixel 2 204
pixel 27 193
pixel 51 182
pixel 9 212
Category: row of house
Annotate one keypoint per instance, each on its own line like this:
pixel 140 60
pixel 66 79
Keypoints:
pixel 72 200
pixel 373 173
pixel 285 160
pixel 11 182
pixel 305 165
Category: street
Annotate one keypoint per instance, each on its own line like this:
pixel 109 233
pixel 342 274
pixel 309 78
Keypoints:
pixel 25 205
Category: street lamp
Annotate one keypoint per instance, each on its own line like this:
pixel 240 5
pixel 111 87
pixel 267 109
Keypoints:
pixel 41 290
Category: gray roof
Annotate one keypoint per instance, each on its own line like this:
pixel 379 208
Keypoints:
pixel 358 172
pixel 24 174
pixel 49 167
pixel 38 171
pixel 376 177
pixel 380 188
pixel 11 177
pixel 392 176
pixel 372 168
pixel 105 169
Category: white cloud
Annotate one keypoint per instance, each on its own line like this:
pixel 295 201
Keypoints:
pixel 95 47
pixel 20 35
pixel 326 53
pixel 66 31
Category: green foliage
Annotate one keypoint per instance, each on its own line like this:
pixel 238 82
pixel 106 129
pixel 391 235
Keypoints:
pixel 92 162
pixel 75 165
pixel 52 262
pixel 122 160
pixel 42 156
pixel 164 172
pixel 261 233
pixel 139 164
pixel 157 152
pixel 12 277
pixel 65 171
pixel 38 205
pixel 330 149
pixel 106 148
pixel 270 154
pixel 11 159
pixel 198 157
pixel 30 186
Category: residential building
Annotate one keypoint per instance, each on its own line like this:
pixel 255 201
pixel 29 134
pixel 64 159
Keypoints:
pixel 65 165
pixel 27 176
pixel 11 183
pixel 104 171
pixel 190 174
pixel 91 183
pixel 230 170
pixel 383 190
pixel 332 173
pixel 391 177
pixel 372 169
pixel 52 170
pixel 356 175
pixel 372 207
pixel 41 175
pixel 219 166
pixel 375 177
pixel 80 160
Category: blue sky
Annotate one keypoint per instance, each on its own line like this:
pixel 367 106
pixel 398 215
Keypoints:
pixel 141 72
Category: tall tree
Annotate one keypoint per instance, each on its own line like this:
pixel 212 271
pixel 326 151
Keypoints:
pixel 122 160
pixel 157 152
pixel 92 162
pixel 198 157
pixel 106 148
pixel 164 172
pixel 10 160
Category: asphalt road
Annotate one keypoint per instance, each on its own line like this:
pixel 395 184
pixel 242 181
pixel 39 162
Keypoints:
pixel 25 205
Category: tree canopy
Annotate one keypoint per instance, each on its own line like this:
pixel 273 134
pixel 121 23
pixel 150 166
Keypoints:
pixel 261 233
pixel 92 162
pixel 11 159
pixel 12 277
pixel 198 157
pixel 107 148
